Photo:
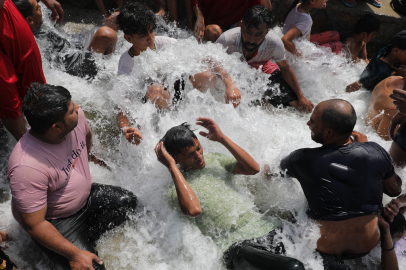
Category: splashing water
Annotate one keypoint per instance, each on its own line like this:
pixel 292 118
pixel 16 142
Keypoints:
pixel 160 237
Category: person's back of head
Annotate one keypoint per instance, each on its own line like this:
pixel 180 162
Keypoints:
pixel 399 40
pixel 44 105
pixel 256 16
pixel 340 116
pixel 24 7
pixel 367 24
pixel 136 18
pixel 178 138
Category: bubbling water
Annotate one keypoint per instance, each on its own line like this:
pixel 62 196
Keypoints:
pixel 158 236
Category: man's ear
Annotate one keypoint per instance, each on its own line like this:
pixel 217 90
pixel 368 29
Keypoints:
pixel 30 21
pixel 328 133
pixel 128 38
pixel 57 127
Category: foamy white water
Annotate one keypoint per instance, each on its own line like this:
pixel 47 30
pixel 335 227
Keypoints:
pixel 160 237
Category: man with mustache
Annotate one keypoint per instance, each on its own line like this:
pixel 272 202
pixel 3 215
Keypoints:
pixel 258 48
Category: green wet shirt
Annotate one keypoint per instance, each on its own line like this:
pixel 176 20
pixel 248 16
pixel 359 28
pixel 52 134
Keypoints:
pixel 227 216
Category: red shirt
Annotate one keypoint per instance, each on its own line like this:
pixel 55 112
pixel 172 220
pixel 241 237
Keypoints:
pixel 223 12
pixel 20 60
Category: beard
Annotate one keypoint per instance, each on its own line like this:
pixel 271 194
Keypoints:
pixel 318 138
pixel 250 47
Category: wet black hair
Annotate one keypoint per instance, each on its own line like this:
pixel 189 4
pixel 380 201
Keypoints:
pixel 368 23
pixel 24 7
pixel 398 225
pixel 136 18
pixel 257 15
pixel 44 105
pixel 178 139
pixel 336 118
pixel 397 41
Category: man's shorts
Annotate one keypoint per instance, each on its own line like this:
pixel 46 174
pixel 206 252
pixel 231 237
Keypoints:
pixel 5 263
pixel 80 64
pixel 279 91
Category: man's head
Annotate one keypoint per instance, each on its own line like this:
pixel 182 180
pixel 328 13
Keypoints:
pixel 31 11
pixel 255 25
pixel 367 26
pixel 182 144
pixel 332 121
pixel 49 108
pixel 138 24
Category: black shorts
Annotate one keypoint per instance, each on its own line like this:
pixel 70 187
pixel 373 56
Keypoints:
pixel 400 140
pixel 5 262
pixel 107 207
pixel 275 97
pixel 178 87
pixel 260 253
pixel 80 64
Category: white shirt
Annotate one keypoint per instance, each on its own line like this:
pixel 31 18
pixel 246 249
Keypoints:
pixel 128 62
pixel 272 47
pixel 303 21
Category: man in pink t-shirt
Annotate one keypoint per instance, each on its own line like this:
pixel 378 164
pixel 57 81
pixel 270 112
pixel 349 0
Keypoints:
pixel 53 195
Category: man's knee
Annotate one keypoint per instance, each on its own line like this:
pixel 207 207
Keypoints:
pixel 212 32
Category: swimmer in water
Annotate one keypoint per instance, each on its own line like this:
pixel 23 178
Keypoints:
pixel 258 47
pixel 381 108
pixel 138 24
pixel 203 188
pixel 343 181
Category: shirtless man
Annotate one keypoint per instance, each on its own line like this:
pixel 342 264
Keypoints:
pixel 398 123
pixel 381 108
pixel 343 181
pixel 365 30
pixel 258 47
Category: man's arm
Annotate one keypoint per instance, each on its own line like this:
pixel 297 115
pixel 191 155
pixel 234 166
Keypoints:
pixel 266 3
pixel 389 260
pixel 133 135
pixel 392 209
pixel 56 8
pixel 246 164
pixel 188 202
pixel 232 94
pixel 399 97
pixel 198 32
pixel 48 236
pixel 355 86
pixel 392 186
pixel 288 74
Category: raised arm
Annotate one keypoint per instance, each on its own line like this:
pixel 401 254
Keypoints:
pixel 289 75
pixel 56 8
pixel 48 236
pixel 188 202
pixel 246 164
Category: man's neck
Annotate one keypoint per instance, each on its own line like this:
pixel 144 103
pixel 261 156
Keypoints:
pixel 304 7
pixel 47 138
pixel 339 142
pixel 248 55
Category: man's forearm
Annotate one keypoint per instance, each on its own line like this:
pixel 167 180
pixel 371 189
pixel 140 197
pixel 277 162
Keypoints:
pixel 290 77
pixel 249 165
pixel 122 120
pixel 389 259
pixel 198 13
pixel 188 201
pixel 48 236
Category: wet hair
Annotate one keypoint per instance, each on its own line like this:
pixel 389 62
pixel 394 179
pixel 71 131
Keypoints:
pixel 397 41
pixel 398 225
pixel 44 105
pixel 178 139
pixel 368 23
pixel 136 18
pixel 24 7
pixel 340 120
pixel 257 15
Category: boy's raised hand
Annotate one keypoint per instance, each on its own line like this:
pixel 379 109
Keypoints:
pixel 163 156
pixel 215 133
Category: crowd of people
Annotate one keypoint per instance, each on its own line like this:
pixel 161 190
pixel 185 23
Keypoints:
pixel 343 180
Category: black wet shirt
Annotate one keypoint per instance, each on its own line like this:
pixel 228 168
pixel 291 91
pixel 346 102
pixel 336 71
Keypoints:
pixel 341 181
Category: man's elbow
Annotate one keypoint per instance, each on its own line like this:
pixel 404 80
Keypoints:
pixel 195 212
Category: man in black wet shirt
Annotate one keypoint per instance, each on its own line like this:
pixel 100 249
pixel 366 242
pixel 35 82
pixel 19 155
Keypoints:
pixel 343 181
pixel 75 57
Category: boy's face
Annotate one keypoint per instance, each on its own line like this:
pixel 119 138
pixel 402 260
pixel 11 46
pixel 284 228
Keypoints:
pixel 370 37
pixel 141 42
pixel 34 20
pixel 192 158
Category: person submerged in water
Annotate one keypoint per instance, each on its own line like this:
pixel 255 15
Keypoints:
pixel 138 24
pixel 343 181
pixel 204 188
pixel 381 108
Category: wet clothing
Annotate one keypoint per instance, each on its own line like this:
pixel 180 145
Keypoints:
pixel 5 262
pixel 302 21
pixel 229 217
pixel 279 91
pixel 380 104
pixel 376 71
pixel 73 57
pixel 224 12
pixel 106 208
pixel 20 60
pixel 341 181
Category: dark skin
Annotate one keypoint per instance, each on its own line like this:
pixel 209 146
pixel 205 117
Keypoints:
pixel 354 235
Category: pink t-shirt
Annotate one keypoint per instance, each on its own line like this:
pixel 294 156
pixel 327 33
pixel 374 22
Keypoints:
pixel 52 175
